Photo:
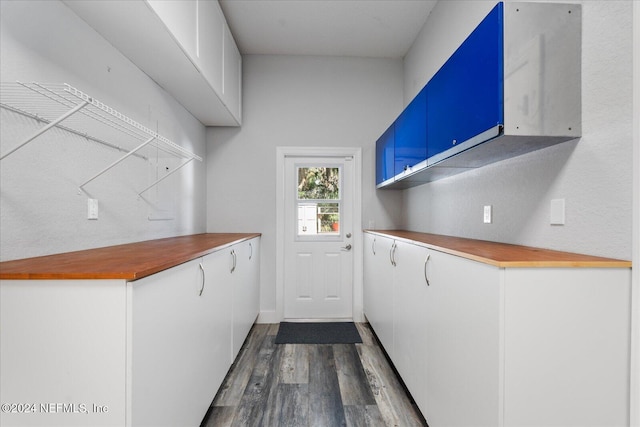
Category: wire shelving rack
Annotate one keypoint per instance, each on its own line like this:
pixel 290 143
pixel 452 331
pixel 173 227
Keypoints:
pixel 64 106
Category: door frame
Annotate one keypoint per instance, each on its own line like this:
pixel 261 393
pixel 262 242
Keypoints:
pixel 356 153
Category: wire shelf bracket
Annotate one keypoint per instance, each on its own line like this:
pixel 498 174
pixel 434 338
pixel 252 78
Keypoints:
pixel 46 128
pixel 54 103
pixel 166 176
pixel 135 150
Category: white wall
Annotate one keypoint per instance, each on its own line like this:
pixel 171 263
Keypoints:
pixel 298 101
pixel 635 291
pixel 593 174
pixel 41 212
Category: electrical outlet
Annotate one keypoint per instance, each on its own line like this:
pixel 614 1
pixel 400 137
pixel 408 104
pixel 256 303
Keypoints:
pixel 92 209
pixel 487 214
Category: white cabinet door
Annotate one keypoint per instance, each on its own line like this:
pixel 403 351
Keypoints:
pixel 218 294
pixel 246 291
pixel 378 287
pixel 463 315
pixel 211 29
pixel 567 346
pixel 171 324
pixel 410 322
pixel 63 352
pixel 181 19
pixel 232 77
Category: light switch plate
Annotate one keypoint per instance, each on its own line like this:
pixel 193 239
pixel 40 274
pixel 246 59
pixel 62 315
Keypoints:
pixel 557 212
pixel 92 209
pixel 488 214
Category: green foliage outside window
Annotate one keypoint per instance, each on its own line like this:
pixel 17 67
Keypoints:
pixel 322 184
pixel 318 183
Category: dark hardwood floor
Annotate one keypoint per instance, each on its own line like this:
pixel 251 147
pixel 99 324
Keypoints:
pixel 311 385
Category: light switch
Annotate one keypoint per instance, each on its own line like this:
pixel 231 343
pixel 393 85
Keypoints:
pixel 487 214
pixel 557 212
pixel 92 209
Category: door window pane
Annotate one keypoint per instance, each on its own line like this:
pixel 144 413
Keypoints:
pixel 318 183
pixel 318 202
pixel 329 217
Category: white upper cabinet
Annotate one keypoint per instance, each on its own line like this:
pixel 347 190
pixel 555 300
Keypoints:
pixel 210 53
pixel 232 91
pixel 183 45
pixel 181 19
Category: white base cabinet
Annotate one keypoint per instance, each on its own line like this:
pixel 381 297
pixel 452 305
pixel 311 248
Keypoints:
pixel 180 342
pixel 566 347
pixel 246 291
pixel 378 287
pixel 150 352
pixel 462 323
pixel 480 345
pixel 63 347
pixel 409 321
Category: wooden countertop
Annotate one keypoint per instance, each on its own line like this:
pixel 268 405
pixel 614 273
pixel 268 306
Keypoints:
pixel 502 254
pixel 130 262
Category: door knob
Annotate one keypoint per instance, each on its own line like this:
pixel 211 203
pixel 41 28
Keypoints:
pixel 348 235
pixel 346 248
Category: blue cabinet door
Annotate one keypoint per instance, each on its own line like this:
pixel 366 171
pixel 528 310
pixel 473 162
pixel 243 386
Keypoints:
pixel 385 155
pixel 465 97
pixel 411 134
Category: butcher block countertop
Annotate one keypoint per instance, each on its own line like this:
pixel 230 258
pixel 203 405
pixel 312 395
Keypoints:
pixel 130 261
pixel 502 254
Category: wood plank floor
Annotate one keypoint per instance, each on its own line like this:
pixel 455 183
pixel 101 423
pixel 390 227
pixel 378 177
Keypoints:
pixel 311 385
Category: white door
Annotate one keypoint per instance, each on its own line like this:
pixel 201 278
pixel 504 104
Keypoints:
pixel 318 263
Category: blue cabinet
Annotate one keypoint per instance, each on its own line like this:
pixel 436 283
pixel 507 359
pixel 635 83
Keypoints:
pixel 411 134
pixel 465 97
pixel 385 156
pixel 513 86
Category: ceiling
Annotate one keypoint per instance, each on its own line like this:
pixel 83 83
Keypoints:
pixel 367 28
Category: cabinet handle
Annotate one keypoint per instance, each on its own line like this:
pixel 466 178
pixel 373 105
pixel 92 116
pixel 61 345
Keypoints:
pixel 392 254
pixel 233 257
pixel 251 248
pixel 425 270
pixel 395 248
pixel 373 246
pixel 203 279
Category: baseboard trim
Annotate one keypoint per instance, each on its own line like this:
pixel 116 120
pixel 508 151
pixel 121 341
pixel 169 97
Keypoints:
pixel 268 317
